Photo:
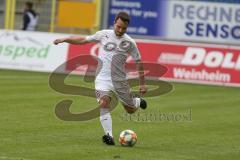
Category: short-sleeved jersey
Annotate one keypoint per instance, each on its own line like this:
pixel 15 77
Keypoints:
pixel 113 53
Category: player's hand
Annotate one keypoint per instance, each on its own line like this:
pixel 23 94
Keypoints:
pixel 142 89
pixel 58 41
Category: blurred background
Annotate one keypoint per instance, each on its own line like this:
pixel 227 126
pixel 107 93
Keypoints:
pixel 87 16
pixel 197 41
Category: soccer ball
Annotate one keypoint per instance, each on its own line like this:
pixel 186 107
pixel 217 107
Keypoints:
pixel 128 138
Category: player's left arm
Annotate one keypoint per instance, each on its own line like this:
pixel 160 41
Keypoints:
pixel 140 69
pixel 139 66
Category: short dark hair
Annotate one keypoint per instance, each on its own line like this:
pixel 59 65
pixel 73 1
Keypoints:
pixel 29 5
pixel 123 16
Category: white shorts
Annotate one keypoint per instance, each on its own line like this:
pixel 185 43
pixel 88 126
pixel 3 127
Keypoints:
pixel 104 85
pixel 109 88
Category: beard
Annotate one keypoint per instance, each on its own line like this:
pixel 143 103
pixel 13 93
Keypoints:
pixel 118 33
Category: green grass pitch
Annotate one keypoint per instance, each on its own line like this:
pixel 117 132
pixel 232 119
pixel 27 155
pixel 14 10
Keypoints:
pixel 207 126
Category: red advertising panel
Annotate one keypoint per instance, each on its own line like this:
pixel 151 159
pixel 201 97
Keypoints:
pixel 186 62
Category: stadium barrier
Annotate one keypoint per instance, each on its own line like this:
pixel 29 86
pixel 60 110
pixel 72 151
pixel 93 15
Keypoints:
pixel 32 51
pixel 196 21
pixel 83 15
pixel 186 62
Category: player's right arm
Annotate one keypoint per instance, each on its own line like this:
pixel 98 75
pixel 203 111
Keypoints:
pixel 79 40
pixel 71 40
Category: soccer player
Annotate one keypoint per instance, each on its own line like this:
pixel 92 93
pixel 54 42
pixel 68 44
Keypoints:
pixel 115 47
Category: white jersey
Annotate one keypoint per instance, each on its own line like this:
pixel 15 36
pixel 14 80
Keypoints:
pixel 113 53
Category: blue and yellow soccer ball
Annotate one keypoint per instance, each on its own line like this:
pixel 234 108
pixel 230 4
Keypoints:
pixel 128 138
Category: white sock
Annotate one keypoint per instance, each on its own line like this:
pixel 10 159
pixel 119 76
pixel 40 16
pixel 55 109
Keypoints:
pixel 106 121
pixel 136 102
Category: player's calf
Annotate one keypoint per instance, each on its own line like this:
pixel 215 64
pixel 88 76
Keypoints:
pixel 129 109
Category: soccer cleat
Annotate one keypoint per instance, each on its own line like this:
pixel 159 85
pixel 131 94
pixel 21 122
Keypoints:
pixel 143 104
pixel 108 140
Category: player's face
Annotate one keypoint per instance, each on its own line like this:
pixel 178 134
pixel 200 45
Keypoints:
pixel 120 27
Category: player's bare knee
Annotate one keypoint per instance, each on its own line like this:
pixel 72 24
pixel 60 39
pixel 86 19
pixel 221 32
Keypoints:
pixel 104 102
